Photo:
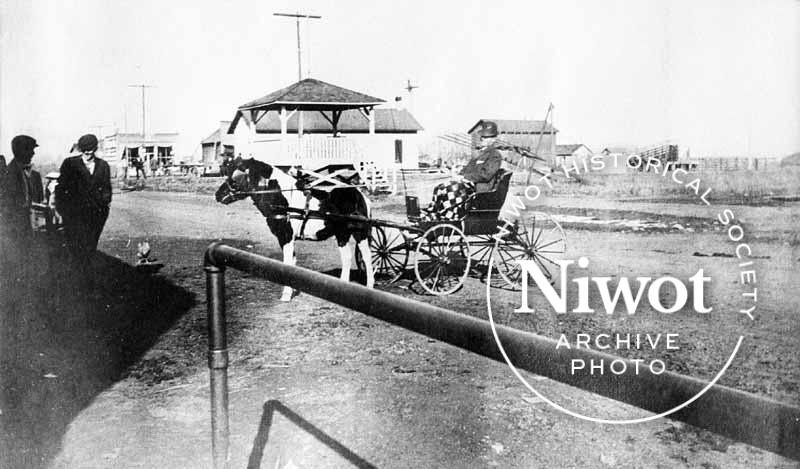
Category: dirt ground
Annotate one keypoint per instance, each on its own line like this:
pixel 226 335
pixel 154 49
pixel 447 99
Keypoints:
pixel 105 366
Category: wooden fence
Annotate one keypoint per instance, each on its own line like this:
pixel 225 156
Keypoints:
pixel 730 164
pixel 321 151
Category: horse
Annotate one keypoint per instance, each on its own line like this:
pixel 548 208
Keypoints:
pixel 273 191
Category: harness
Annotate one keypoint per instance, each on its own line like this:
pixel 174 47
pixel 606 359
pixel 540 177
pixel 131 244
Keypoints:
pixel 263 188
pixel 306 216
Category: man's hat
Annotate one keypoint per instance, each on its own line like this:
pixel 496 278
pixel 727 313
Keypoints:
pixel 488 129
pixel 22 142
pixel 87 143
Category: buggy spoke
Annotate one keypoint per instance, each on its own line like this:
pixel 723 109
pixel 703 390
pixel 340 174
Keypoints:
pixel 449 240
pixel 547 259
pixel 429 267
pixel 436 279
pixel 512 247
pixel 391 242
pixel 546 270
pixel 395 263
pixel 537 238
pixel 548 244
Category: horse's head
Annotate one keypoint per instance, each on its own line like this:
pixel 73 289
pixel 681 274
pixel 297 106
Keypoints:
pixel 244 177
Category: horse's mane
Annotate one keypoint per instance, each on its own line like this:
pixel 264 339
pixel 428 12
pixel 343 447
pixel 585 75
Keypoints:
pixel 257 168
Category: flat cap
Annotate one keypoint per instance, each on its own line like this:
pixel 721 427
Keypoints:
pixel 488 129
pixel 23 142
pixel 87 143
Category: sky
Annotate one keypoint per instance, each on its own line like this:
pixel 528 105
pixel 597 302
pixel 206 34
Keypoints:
pixel 718 77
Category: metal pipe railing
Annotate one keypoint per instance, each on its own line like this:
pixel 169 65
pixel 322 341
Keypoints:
pixel 754 420
pixel 218 363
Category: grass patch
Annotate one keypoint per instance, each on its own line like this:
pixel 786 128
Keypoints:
pixel 729 186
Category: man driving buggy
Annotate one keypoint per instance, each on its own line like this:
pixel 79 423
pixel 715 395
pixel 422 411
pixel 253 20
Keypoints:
pixel 450 199
pixel 483 167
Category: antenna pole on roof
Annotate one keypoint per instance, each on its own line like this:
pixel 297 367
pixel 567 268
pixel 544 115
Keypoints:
pixel 144 109
pixel 99 129
pixel 297 17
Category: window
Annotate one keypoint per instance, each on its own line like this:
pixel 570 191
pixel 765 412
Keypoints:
pixel 398 151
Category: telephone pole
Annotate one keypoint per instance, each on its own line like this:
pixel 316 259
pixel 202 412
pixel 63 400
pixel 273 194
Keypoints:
pixel 144 112
pixel 99 129
pixel 297 17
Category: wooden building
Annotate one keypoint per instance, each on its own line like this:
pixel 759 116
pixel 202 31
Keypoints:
pixel 215 145
pixel 569 154
pixel 155 150
pixel 539 136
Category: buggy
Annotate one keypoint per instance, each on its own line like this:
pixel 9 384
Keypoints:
pixel 446 251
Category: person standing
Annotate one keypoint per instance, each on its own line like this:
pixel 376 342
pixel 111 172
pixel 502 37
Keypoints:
pixel 137 163
pixel 17 192
pixel 83 197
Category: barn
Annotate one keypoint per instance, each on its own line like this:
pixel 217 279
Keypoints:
pixel 312 123
pixel 539 136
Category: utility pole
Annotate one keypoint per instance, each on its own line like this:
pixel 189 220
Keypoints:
pixel 297 17
pixel 144 112
pixel 99 129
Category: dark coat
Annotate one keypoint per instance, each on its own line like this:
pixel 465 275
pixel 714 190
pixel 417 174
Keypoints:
pixel 16 194
pixel 483 166
pixel 81 196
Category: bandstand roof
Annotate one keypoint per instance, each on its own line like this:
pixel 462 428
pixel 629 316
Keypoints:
pixel 312 95
pixel 307 95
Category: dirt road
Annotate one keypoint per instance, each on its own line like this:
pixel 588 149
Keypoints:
pixel 316 385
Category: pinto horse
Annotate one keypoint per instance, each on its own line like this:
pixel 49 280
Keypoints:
pixel 273 191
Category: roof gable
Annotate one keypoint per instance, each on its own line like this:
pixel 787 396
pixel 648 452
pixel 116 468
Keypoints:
pixel 312 91
pixel 215 136
pixel 569 149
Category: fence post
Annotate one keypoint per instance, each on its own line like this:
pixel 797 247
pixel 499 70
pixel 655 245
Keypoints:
pixel 217 364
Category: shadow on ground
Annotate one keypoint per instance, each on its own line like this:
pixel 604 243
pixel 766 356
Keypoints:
pixel 69 331
pixel 262 438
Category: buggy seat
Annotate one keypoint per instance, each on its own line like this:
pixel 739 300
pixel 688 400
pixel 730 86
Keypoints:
pixel 486 204
pixel 483 206
pixel 492 194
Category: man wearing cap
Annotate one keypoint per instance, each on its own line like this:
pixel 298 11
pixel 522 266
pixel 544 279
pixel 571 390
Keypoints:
pixel 18 191
pixel 483 167
pixel 83 196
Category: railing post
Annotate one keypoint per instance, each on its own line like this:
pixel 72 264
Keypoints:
pixel 217 364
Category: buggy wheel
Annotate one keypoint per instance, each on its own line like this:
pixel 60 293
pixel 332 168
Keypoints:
pixel 442 259
pixel 389 254
pixel 480 250
pixel 540 239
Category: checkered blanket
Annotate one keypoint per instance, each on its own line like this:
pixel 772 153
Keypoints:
pixel 450 201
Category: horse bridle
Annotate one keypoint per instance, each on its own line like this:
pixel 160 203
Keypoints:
pixel 232 192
